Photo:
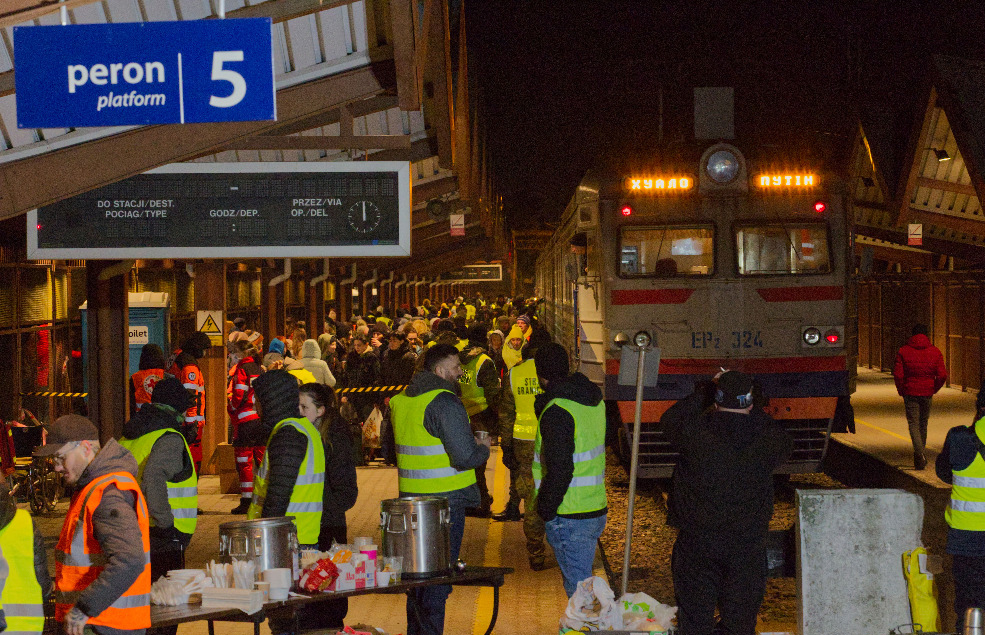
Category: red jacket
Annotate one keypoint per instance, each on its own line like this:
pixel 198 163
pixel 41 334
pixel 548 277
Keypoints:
pixel 919 369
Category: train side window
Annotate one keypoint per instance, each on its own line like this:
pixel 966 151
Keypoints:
pixel 783 249
pixel 664 252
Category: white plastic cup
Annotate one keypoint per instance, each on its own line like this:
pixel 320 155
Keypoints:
pixel 264 588
pixel 278 593
pixel 362 541
pixel 278 578
pixel 383 578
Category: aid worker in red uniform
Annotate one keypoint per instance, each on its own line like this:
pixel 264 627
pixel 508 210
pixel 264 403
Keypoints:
pixel 249 435
pixel 102 558
pixel 185 368
pixel 142 382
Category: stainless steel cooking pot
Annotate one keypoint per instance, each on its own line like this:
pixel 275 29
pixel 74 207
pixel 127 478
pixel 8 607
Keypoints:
pixel 419 529
pixel 271 543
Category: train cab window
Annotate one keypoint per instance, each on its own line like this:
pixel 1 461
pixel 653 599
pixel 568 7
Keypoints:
pixel 783 249
pixel 663 252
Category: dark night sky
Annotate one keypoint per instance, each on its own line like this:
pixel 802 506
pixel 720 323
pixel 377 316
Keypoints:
pixel 565 82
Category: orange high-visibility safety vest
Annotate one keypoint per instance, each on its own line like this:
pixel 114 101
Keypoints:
pixel 143 384
pixel 191 378
pixel 79 559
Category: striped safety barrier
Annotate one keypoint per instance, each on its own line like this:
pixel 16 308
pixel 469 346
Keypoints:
pixel 54 394
pixel 341 390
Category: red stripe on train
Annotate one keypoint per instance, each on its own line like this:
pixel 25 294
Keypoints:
pixel 801 294
pixel 650 296
pixel 747 365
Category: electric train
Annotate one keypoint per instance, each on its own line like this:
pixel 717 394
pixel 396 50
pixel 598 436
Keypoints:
pixel 726 262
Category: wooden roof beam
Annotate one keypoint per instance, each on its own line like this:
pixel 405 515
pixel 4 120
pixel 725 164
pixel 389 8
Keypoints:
pixel 438 103
pixel 323 142
pixel 962 225
pixel 975 255
pixel 890 253
pixel 915 151
pixel 404 58
pixel 27 183
pixel 947 186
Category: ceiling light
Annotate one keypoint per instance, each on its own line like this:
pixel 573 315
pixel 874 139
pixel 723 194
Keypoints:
pixel 942 154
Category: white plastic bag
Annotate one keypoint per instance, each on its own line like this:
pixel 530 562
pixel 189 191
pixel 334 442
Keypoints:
pixel 592 608
pixel 640 612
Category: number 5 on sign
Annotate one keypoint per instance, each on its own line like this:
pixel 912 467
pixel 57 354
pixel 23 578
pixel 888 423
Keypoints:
pixel 234 78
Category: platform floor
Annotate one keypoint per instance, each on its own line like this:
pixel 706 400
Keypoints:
pixel 532 602
pixel 880 424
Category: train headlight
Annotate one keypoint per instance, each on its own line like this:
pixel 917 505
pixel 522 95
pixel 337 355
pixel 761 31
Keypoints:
pixel 642 339
pixel 723 167
pixel 812 336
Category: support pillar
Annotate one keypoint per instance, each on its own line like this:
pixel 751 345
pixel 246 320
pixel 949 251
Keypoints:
pixel 272 307
pixel 210 295
pixel 315 300
pixel 107 319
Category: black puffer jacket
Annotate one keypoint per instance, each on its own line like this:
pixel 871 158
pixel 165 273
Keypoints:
pixel 341 488
pixel 398 365
pixel 277 394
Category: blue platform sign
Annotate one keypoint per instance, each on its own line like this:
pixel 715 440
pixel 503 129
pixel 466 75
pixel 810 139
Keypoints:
pixel 144 73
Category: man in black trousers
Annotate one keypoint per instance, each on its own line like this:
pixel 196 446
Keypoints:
pixel 721 502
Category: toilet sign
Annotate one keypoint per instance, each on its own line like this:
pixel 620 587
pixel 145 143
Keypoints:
pixel 139 335
pixel 210 323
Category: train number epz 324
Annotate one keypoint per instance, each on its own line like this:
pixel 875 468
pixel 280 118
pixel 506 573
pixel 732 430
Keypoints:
pixel 733 340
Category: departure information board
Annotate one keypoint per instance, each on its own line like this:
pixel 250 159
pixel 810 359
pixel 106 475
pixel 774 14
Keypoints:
pixel 473 273
pixel 233 210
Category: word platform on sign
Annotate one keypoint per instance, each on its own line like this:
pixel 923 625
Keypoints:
pixel 140 73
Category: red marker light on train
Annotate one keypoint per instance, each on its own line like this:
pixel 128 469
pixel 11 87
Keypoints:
pixel 626 210
pixel 39 226
pixel 820 206
pixel 832 336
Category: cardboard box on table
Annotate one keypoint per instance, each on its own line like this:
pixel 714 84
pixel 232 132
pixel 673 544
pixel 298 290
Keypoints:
pixel 355 575
pixel 224 459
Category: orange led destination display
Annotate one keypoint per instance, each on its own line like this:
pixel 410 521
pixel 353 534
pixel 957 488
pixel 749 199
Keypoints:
pixel 658 184
pixel 787 180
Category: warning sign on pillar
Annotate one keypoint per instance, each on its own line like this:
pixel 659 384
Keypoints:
pixel 457 224
pixel 915 234
pixel 210 323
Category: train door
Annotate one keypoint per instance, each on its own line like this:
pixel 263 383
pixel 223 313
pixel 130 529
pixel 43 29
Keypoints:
pixel 589 335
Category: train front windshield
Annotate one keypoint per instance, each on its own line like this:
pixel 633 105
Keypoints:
pixel 788 249
pixel 666 251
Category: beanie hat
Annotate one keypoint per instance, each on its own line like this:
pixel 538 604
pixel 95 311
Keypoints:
pixel 170 392
pixel 734 390
pixel 239 322
pixel 551 362
pixel 277 392
pixel 197 344
pixel 276 346
pixel 523 318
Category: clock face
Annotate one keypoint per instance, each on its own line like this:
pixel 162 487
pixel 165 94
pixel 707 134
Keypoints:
pixel 364 216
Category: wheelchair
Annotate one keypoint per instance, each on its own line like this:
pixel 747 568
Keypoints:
pixel 34 479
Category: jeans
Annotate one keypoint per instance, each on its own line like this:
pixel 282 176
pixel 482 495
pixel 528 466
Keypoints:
pixel 573 541
pixel 917 414
pixel 426 606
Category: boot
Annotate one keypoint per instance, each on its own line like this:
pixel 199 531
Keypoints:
pixel 510 513
pixel 244 505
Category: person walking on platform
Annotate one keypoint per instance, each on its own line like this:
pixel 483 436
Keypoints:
pixel 518 433
pixel 166 474
pixel 291 477
pixel 480 395
pixel 102 571
pixel 961 463
pixel 721 502
pixel 249 434
pixel 185 367
pixel 24 580
pixel 436 456
pixel 151 371
pixel 569 463
pixel 919 373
